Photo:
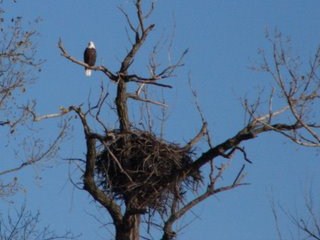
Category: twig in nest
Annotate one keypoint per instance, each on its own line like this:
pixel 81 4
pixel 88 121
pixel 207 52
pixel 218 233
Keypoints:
pixel 151 164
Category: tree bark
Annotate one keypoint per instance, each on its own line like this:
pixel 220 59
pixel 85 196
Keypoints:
pixel 129 228
pixel 121 103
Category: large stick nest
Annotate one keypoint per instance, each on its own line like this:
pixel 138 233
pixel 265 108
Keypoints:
pixel 141 169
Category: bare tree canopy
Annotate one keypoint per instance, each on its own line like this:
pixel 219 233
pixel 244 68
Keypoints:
pixel 24 225
pixel 19 66
pixel 305 222
pixel 134 174
pixel 147 149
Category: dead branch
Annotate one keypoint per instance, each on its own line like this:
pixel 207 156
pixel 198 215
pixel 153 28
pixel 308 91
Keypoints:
pixel 19 65
pixel 247 133
pixel 197 138
pixel 138 98
pixel 152 80
pixel 25 225
pixel 40 156
pixel 308 223
pixel 176 212
pixel 298 92
pixel 99 106
pixel 135 47
pixel 239 176
pixel 35 118
pixel 9 188
pixel 244 154
pixel 3 123
pixel 168 233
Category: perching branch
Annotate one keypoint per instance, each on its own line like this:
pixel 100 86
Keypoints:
pixel 103 69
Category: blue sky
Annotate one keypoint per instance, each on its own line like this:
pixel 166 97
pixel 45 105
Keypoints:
pixel 223 38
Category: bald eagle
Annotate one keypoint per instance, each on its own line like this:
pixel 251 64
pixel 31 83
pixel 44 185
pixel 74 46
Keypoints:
pixel 89 57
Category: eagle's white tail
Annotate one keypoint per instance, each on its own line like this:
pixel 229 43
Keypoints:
pixel 88 72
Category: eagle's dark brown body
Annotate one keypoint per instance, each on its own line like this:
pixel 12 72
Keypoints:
pixel 89 57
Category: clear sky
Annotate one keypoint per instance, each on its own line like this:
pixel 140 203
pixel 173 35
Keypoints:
pixel 223 38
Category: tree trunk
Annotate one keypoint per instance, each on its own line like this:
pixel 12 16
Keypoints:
pixel 121 103
pixel 129 229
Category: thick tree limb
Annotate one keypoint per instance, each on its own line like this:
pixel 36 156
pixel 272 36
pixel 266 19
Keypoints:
pixel 88 180
pixel 121 104
pixel 247 133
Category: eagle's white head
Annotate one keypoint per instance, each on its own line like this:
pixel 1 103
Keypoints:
pixel 91 45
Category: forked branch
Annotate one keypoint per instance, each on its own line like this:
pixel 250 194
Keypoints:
pixel 88 180
pixel 298 92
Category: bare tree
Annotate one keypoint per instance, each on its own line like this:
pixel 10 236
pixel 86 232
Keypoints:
pixel 24 226
pixel 306 223
pixel 141 178
pixel 19 65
